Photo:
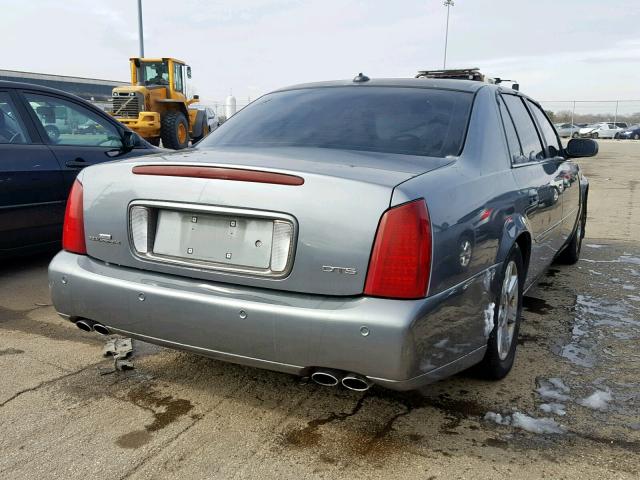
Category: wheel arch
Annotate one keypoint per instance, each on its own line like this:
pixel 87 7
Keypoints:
pixel 515 231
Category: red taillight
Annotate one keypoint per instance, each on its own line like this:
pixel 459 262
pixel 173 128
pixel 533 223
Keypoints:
pixel 400 263
pixel 73 230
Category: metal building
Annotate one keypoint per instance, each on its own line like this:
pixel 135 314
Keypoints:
pixel 88 88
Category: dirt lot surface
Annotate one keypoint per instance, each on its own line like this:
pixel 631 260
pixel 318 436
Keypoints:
pixel 64 414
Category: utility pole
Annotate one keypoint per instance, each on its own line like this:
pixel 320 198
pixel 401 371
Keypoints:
pixel 140 32
pixel 448 4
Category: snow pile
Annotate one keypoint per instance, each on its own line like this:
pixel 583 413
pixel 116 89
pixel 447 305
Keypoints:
pixel 489 313
pixel 554 408
pixel 598 400
pixel 536 425
pixel 497 418
pixel 527 423
pixel 553 389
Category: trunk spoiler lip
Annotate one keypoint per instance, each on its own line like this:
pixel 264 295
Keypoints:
pixel 219 173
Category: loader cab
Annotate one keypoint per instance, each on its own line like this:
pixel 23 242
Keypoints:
pixel 161 72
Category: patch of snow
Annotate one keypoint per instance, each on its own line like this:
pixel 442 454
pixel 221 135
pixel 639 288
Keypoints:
pixel 527 423
pixel 497 418
pixel 553 389
pixel 489 313
pixel 595 245
pixel 554 408
pixel 598 400
pixel 629 259
pixel 628 287
pixel 536 425
pixel 559 384
pixel 593 272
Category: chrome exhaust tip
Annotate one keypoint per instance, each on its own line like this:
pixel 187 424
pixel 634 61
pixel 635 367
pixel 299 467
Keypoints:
pixel 356 382
pixel 326 378
pixel 85 325
pixel 101 329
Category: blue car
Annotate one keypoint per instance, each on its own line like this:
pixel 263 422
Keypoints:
pixel 46 138
pixel 633 132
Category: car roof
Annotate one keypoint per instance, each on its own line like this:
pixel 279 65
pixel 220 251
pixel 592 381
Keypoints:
pixel 33 86
pixel 444 84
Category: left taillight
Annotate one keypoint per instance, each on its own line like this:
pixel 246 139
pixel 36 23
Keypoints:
pixel 73 229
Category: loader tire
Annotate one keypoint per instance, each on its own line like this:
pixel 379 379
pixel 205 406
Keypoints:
pixel 174 131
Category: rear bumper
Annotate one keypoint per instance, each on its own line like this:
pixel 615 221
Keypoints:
pixel 405 345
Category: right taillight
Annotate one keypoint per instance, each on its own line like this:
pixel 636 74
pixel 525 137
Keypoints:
pixel 400 263
pixel 73 229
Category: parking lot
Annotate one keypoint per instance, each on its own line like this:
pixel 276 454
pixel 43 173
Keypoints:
pixel 65 413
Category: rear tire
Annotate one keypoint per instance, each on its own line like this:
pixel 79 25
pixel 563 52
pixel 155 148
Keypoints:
pixel 175 131
pixel 503 340
pixel 205 131
pixel 571 254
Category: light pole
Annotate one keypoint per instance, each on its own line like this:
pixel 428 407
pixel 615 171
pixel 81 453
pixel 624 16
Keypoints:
pixel 140 32
pixel 448 4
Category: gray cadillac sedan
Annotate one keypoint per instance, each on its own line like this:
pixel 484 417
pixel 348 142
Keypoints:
pixel 358 232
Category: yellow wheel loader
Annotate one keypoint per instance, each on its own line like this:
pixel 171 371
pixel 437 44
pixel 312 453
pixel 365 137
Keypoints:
pixel 156 105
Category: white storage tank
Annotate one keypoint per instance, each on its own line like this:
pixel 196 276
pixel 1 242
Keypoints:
pixel 230 106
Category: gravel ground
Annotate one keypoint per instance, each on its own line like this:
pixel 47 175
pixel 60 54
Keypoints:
pixel 64 414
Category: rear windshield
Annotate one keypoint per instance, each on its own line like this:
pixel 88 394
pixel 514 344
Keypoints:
pixel 412 121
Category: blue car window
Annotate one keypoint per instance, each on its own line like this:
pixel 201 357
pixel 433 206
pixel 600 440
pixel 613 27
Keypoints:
pixel 548 132
pixel 527 132
pixel 11 126
pixel 515 151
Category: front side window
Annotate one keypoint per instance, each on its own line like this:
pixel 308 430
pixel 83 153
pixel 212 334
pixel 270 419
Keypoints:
pixel 411 121
pixel 155 73
pixel 548 132
pixel 531 147
pixel 67 123
pixel 11 126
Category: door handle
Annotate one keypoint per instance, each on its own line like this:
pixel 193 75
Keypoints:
pixel 77 163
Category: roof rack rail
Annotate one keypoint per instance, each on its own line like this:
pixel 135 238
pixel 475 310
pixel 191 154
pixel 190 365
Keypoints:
pixel 457 74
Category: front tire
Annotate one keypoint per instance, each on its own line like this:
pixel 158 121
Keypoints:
pixel 174 131
pixel 575 135
pixel 636 136
pixel 594 135
pixel 503 340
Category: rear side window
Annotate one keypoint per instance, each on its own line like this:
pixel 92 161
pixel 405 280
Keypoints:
pixel 529 140
pixel 412 121
pixel 515 152
pixel 548 132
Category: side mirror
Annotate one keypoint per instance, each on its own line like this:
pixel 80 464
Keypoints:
pixel 196 97
pixel 188 72
pixel 581 147
pixel 515 86
pixel 129 141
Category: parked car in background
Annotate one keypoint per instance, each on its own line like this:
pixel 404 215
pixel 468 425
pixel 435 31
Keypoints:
pixel 632 132
pixel 46 138
pixel 212 118
pixel 599 130
pixel 568 130
pixel 358 232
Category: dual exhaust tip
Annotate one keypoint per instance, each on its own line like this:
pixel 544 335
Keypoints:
pixel 92 326
pixel 331 378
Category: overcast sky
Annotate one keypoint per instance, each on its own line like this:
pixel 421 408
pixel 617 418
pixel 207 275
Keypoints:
pixel 556 49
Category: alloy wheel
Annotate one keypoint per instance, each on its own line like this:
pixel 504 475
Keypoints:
pixel 508 310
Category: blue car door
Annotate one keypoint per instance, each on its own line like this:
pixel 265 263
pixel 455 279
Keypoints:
pixel 79 135
pixel 32 194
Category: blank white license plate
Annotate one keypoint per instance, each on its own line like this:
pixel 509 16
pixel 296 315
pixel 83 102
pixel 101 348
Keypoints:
pixel 223 239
